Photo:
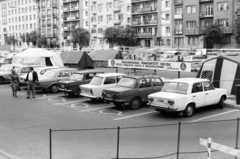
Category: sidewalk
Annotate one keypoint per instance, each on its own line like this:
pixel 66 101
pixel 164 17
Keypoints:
pixel 231 103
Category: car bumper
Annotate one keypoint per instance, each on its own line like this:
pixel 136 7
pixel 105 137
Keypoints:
pixel 114 100
pixel 65 90
pixel 89 96
pixel 164 107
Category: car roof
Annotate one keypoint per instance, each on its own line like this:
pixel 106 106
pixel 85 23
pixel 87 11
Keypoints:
pixel 139 77
pixel 44 67
pixel 28 65
pixel 90 71
pixel 188 80
pixel 110 74
pixel 62 69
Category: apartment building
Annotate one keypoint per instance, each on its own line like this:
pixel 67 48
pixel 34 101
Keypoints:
pixel 18 17
pixel 192 17
pixel 105 14
pixel 50 21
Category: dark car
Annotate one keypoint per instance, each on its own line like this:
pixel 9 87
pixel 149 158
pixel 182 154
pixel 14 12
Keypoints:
pixel 133 90
pixel 71 87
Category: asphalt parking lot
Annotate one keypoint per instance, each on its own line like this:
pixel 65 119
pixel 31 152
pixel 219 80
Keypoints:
pixel 25 124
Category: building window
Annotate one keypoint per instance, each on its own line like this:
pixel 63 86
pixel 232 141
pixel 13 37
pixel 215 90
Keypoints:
pixel 109 17
pixel 178 11
pixel 208 10
pixel 226 39
pixel 100 7
pixel 191 24
pixel 86 23
pixel 93 8
pixel 192 40
pixel 167 4
pixel 167 30
pixel 100 30
pixel 178 40
pixel 94 31
pixel 100 18
pixel 223 22
pixel 86 13
pixel 86 3
pixel 167 16
pixel 109 5
pixel 222 6
pixel 168 41
pixel 101 42
pixel 93 19
pixel 191 9
pixel 129 20
pixel 128 8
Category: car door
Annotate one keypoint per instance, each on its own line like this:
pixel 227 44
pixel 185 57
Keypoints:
pixel 157 84
pixel 198 95
pixel 145 88
pixel 210 93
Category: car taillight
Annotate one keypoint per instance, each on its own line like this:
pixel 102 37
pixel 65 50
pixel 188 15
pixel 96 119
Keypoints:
pixel 150 99
pixel 171 102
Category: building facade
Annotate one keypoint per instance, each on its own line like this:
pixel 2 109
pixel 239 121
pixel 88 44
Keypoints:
pixel 192 17
pixel 18 17
pixel 107 13
pixel 50 21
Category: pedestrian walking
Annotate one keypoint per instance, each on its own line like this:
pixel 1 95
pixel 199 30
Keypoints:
pixel 14 82
pixel 31 79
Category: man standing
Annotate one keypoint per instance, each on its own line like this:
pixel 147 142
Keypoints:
pixel 31 79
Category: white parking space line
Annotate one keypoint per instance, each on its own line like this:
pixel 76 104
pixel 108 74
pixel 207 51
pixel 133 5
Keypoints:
pixel 96 109
pixel 72 102
pixel 212 116
pixel 131 116
pixel 45 96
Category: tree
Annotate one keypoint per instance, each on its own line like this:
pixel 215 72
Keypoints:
pixel 10 40
pixel 80 36
pixel 111 35
pixel 121 36
pixel 236 29
pixel 42 41
pixel 214 33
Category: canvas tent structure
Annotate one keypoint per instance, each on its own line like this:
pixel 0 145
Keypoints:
pixel 77 59
pixel 38 56
pixel 223 71
pixel 101 57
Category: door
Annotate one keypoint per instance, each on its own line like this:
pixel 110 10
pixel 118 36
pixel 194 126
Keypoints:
pixel 198 95
pixel 210 94
pixel 145 88
pixel 157 84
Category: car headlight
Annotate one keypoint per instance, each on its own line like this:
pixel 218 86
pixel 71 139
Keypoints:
pixel 171 102
pixel 150 99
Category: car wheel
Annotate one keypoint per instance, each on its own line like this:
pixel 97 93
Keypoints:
pixel 1 80
pixel 78 92
pixel 189 110
pixel 94 99
pixel 221 103
pixel 118 105
pixel 71 94
pixel 54 89
pixel 135 103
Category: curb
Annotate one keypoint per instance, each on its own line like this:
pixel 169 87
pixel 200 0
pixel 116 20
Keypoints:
pixel 231 104
pixel 7 156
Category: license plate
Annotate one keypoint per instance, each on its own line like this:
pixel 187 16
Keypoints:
pixel 109 95
pixel 161 101
pixel 62 86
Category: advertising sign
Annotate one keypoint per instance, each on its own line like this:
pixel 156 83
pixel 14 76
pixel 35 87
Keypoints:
pixel 153 65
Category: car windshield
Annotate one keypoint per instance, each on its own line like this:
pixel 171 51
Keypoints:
pixel 187 58
pixel 49 73
pixel 6 68
pixel 96 80
pixel 77 76
pixel 127 82
pixel 175 87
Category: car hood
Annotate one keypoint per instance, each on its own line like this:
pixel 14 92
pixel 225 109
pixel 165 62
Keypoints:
pixel 118 89
pixel 165 95
pixel 4 73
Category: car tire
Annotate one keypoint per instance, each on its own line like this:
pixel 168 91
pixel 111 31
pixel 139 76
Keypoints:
pixel 71 94
pixel 221 103
pixel 78 92
pixel 189 111
pixel 118 105
pixel 135 103
pixel 54 88
pixel 1 80
pixel 94 99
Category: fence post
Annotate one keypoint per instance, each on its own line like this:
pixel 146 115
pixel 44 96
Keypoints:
pixel 50 142
pixel 178 143
pixel 237 135
pixel 118 142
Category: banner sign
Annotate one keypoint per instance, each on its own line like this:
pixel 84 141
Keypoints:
pixel 153 65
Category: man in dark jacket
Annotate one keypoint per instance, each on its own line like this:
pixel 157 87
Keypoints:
pixel 31 79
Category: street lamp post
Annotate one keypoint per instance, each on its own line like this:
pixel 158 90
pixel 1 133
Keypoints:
pixel 25 44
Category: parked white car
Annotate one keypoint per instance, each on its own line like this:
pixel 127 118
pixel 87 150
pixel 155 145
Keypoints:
pixel 185 94
pixel 94 89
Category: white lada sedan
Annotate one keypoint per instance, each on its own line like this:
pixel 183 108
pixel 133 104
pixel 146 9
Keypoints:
pixel 185 95
pixel 94 89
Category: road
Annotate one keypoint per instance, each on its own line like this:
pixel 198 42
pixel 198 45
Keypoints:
pixel 25 124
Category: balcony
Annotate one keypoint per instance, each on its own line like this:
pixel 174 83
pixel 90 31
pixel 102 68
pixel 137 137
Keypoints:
pixel 48 25
pixel 153 22
pixel 94 1
pixel 136 22
pixel 117 21
pixel 204 15
pixel 206 1
pixel 94 12
pixel 144 34
pixel 144 10
pixel 137 1
pixel 178 2
pixel 68 1
pixel 66 28
pixel 178 16
pixel 69 37
pixel 54 15
pixel 49 15
pixel 76 26
pixel 66 9
pixel 65 37
pixel 195 31
pixel 54 5
pixel 178 32
pixel 55 25
pixel 117 9
pixel 94 35
pixel 76 7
